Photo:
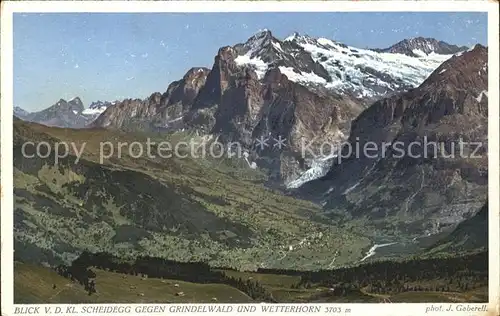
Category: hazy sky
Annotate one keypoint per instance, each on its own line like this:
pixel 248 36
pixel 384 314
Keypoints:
pixel 99 56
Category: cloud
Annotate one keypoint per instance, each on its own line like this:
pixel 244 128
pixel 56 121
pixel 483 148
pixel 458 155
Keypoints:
pixel 76 66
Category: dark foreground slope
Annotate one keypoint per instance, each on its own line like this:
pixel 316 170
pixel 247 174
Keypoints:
pixel 440 279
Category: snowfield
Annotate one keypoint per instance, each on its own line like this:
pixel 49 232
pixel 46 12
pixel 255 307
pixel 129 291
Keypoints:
pixel 360 72
pixel 352 69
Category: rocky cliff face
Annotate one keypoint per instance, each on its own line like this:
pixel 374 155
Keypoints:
pixel 431 181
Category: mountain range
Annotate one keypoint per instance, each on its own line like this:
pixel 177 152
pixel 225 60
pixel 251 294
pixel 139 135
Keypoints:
pixel 297 88
pixel 421 46
pixel 71 113
pixel 292 205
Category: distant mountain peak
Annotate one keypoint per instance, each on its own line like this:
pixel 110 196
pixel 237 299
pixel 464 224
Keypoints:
pixel 96 108
pixel 264 33
pixel 71 113
pixel 451 104
pixel 260 45
pixel 262 36
pixel 418 46
pixel 20 112
pixel 196 71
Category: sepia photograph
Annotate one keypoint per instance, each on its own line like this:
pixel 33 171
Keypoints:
pixel 249 157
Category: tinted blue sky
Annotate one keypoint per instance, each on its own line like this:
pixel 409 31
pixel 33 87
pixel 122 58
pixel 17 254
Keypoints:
pixel 113 56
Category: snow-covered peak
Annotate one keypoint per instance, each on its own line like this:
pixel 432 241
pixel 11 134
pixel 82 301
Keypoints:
pixel 366 73
pixel 472 47
pixel 263 51
pixel 20 112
